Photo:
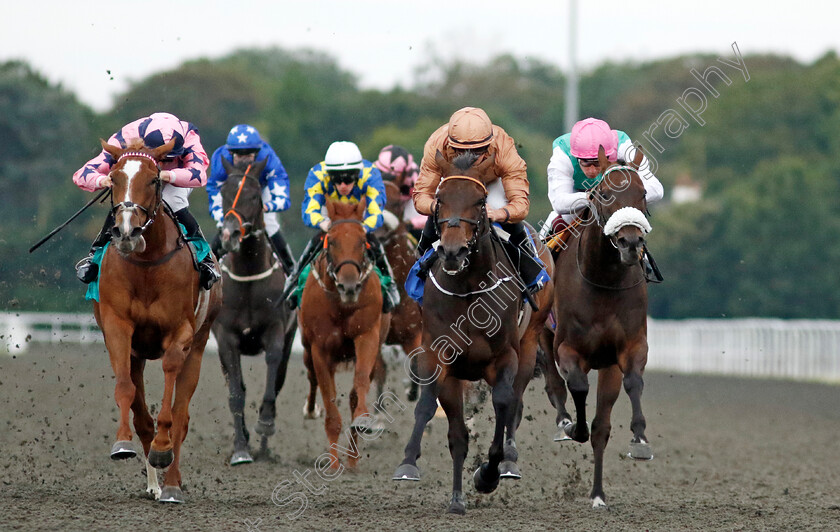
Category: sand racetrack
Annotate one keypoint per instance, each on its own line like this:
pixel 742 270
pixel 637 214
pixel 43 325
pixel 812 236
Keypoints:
pixel 730 454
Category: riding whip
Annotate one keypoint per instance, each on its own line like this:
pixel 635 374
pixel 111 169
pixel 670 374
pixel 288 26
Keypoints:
pixel 96 198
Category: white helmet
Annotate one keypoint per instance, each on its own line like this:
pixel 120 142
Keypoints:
pixel 343 155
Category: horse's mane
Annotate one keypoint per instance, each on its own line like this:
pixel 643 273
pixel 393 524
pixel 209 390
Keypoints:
pixel 465 160
pixel 136 145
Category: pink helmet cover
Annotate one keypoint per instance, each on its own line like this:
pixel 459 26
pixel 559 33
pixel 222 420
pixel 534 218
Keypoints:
pixel 587 135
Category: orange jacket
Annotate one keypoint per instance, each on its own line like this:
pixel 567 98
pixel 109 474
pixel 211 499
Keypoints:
pixel 510 167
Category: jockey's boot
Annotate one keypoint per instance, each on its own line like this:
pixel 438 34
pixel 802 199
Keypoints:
pixel 207 273
pixel 284 252
pixel 649 267
pixel 392 295
pixel 313 247
pixel 530 265
pixel 86 270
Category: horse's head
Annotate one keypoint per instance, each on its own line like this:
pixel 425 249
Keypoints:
pixel 393 198
pixel 241 203
pixel 618 203
pixel 135 192
pixel 345 249
pixel 461 197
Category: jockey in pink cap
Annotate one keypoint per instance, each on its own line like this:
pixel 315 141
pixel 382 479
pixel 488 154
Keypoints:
pixel 574 169
pixel 398 165
pixel 182 169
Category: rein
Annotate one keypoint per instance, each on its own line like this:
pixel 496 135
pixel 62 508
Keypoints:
pixel 455 221
pixel 232 210
pixel 332 269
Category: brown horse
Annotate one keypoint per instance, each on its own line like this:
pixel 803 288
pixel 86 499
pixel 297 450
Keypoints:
pixel 341 320
pixel 601 310
pixel 250 321
pixel 151 307
pixel 475 325
pixel 406 328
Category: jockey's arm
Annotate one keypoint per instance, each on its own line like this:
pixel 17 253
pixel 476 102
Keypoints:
pixel 561 185
pixel 653 187
pixel 214 184
pixel 514 180
pixel 313 199
pixel 277 183
pixel 374 191
pixel 190 169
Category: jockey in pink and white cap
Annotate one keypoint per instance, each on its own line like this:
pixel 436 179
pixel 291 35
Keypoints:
pixel 397 164
pixel 182 169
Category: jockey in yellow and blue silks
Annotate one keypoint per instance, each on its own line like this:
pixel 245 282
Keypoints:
pixel 345 176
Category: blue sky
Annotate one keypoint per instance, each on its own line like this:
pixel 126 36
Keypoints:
pixel 78 43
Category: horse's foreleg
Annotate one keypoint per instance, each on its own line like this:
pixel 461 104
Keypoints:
pixel 633 385
pixel 231 361
pixel 118 341
pixel 609 386
pixel 310 407
pixel 524 374
pixel 555 387
pixel 367 352
pixel 423 412
pixel 277 361
pixel 144 424
pixel 325 373
pixel 571 368
pixel 452 400
pixel 486 477
pixel 161 453
pixel 408 347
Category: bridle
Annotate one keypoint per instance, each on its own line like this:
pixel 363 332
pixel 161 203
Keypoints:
pixel 455 221
pixel 365 267
pixel 130 205
pixel 244 226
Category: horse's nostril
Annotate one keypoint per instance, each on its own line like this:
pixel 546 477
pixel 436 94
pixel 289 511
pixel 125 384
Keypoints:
pixel 115 232
pixel 136 232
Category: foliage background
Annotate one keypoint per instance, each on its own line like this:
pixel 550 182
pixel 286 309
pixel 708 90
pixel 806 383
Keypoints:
pixel 762 241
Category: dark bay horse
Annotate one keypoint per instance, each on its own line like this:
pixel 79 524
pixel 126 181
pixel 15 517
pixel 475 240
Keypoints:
pixel 341 321
pixel 251 321
pixel 475 326
pixel 151 307
pixel 406 328
pixel 601 310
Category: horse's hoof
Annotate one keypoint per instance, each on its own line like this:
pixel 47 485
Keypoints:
pixel 598 502
pixel 161 459
pixel 367 424
pixel 563 431
pixel 407 472
pixel 153 492
pixel 484 480
pixel 264 428
pixel 572 432
pixel 122 450
pixel 315 414
pixel 458 504
pixel 509 469
pixel 640 451
pixel 171 494
pixel 241 457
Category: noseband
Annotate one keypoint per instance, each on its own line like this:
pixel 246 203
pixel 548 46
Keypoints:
pixel 149 213
pixel 365 268
pixel 244 227
pixel 455 221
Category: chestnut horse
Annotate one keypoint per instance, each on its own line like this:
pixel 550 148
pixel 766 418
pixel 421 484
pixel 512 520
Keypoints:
pixel 406 321
pixel 601 310
pixel 250 321
pixel 341 320
pixel 475 325
pixel 151 307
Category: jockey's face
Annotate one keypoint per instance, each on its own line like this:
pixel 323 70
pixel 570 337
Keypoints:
pixel 591 167
pixel 243 156
pixel 345 188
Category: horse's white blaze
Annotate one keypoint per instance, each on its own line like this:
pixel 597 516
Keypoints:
pixel 130 169
pixel 152 485
pixel 626 216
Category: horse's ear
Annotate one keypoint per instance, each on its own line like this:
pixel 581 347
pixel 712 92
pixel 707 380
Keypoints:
pixel 259 166
pixel 442 163
pixel 113 151
pixel 159 152
pixel 330 209
pixel 360 208
pixel 227 165
pixel 486 166
pixel 637 160
pixel 602 158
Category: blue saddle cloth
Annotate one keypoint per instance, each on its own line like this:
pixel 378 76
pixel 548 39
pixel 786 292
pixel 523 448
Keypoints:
pixel 200 247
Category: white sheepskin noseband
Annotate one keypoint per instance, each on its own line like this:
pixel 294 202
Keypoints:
pixel 626 216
